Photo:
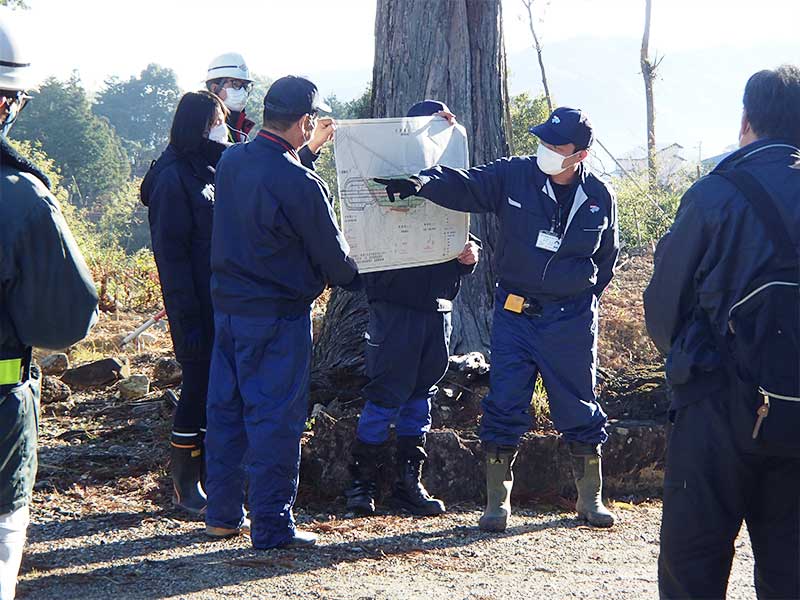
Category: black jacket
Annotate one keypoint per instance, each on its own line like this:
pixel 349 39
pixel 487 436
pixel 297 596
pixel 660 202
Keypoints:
pixel 417 287
pixel 179 193
pixel 47 297
pixel 714 250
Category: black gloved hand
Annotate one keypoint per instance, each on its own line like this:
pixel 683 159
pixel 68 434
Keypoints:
pixel 192 337
pixel 402 186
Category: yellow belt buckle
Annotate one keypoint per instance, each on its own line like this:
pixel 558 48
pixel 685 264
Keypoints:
pixel 10 371
pixel 514 303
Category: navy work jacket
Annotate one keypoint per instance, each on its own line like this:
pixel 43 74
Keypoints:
pixel 520 194
pixel 275 241
pixel 714 250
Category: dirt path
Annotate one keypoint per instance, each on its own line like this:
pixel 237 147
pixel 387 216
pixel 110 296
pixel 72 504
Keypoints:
pixel 545 554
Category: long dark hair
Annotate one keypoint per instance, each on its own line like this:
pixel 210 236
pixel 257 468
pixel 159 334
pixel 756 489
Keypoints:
pixel 195 112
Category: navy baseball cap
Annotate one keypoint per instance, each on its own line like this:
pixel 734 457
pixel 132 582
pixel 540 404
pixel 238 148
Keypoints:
pixel 426 108
pixel 292 95
pixel 566 126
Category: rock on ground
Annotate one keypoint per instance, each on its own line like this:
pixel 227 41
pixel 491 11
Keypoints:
pixel 54 390
pixel 54 364
pixel 134 387
pixel 97 373
pixel 167 371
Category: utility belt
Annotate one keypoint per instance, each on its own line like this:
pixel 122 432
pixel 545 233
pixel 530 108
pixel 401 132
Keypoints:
pixel 533 306
pixel 14 369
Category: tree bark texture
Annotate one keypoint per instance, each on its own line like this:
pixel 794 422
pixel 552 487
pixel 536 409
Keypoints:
pixel 453 51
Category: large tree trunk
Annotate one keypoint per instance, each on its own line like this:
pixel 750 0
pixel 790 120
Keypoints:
pixel 453 51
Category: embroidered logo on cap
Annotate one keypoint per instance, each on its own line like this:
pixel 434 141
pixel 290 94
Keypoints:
pixel 555 120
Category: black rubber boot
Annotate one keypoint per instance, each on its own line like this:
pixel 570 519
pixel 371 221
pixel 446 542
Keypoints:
pixel 587 470
pixel 186 464
pixel 408 492
pixel 367 460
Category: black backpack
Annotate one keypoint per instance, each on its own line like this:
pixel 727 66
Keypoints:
pixel 763 338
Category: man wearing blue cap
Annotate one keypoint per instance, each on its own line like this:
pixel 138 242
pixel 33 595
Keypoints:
pixel 407 352
pixel 274 248
pixel 556 252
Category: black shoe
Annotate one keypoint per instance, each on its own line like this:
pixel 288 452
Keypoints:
pixel 367 459
pixel 409 493
pixel 186 464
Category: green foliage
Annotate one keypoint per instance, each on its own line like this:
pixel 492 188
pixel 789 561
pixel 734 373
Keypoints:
pixel 255 101
pixel 357 108
pixel 526 112
pixel 15 4
pixel 141 110
pixel 646 215
pixel 85 146
pixel 131 280
pixel 124 219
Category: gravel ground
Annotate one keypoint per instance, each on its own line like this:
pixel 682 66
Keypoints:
pixel 545 553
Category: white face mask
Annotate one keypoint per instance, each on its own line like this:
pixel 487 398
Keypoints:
pixel 219 133
pixel 235 99
pixel 549 161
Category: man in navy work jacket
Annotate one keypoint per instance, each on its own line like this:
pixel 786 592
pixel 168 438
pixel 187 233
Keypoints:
pixel 407 352
pixel 556 252
pixel 722 464
pixel 275 246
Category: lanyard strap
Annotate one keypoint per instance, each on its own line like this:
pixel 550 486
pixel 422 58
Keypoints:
pixel 281 142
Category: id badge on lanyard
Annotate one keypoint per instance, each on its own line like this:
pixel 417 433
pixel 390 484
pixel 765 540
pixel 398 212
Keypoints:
pixel 551 240
pixel 548 240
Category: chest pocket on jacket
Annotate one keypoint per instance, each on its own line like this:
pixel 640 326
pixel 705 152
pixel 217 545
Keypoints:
pixel 587 229
pixel 524 219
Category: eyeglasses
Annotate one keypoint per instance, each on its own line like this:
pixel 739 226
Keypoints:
pixel 238 84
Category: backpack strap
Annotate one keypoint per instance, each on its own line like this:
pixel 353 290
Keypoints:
pixel 764 206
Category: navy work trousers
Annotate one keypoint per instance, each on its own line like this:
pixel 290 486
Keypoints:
pixel 257 407
pixel 561 344
pixel 715 479
pixel 407 353
pixel 190 415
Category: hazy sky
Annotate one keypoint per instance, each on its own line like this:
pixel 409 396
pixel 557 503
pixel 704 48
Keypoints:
pixel 333 41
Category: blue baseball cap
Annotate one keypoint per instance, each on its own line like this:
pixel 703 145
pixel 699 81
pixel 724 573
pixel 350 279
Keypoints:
pixel 292 95
pixel 565 126
pixel 426 108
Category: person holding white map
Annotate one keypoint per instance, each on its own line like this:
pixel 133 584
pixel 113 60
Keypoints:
pixel 407 353
pixel 557 247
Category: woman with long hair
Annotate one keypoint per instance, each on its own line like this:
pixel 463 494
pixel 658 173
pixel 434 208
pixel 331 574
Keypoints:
pixel 179 193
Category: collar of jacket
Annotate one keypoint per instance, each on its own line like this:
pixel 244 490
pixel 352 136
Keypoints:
pixel 278 143
pixel 758 148
pixel 9 156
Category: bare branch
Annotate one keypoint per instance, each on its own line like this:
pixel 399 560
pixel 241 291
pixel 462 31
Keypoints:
pixel 538 47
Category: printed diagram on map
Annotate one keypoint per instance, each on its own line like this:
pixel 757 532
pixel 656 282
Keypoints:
pixel 405 233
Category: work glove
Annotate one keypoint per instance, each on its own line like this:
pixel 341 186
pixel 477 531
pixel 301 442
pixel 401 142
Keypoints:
pixel 402 186
pixel 192 336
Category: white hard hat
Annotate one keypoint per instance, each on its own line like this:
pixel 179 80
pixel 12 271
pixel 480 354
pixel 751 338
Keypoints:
pixel 230 65
pixel 15 66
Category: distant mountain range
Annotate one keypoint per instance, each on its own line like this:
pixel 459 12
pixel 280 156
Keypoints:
pixel 698 95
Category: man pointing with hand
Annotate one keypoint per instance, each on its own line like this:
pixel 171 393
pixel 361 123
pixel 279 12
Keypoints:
pixel 557 247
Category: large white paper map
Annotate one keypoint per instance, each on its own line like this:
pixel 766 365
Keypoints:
pixel 406 233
